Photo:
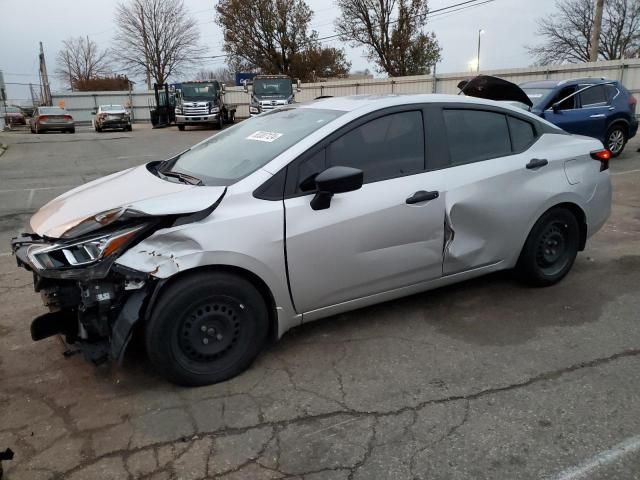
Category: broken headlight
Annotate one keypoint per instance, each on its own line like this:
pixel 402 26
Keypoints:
pixel 82 252
pixel 100 220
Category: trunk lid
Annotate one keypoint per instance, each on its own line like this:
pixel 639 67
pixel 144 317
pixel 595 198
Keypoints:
pixel 494 88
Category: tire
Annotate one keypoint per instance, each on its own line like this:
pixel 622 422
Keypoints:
pixel 72 130
pixel 551 248
pixel 129 128
pixel 181 128
pixel 220 124
pixel 616 139
pixel 231 118
pixel 206 328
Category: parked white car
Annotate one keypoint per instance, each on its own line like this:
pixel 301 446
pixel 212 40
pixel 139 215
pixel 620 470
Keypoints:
pixel 304 212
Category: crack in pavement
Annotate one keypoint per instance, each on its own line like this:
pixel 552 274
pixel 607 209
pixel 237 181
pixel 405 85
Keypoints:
pixel 279 426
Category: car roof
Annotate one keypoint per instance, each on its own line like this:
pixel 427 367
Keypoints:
pixel 558 83
pixel 375 102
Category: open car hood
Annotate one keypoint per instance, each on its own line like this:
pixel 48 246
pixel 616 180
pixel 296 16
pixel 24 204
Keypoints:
pixel 136 188
pixel 494 88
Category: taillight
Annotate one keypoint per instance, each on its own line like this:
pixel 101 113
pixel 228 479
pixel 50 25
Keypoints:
pixel 43 118
pixel 603 156
pixel 632 103
pixel 68 117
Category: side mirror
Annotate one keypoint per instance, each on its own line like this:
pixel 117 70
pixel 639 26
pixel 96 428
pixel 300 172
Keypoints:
pixel 222 88
pixel 556 107
pixel 335 180
pixel 245 86
pixel 298 83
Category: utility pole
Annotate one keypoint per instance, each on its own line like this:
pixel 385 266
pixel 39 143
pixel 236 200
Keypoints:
pixel 44 79
pixel 146 48
pixel 480 33
pixel 595 31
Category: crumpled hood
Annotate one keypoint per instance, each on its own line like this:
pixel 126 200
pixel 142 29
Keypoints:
pixel 494 88
pixel 136 188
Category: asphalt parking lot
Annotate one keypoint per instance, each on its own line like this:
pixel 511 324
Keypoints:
pixel 483 380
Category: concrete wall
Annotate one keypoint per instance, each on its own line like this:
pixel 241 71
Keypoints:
pixel 81 104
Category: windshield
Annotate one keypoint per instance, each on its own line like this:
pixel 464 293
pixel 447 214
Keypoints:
pixel 51 111
pixel 111 107
pixel 537 95
pixel 200 91
pixel 10 109
pixel 272 86
pixel 239 151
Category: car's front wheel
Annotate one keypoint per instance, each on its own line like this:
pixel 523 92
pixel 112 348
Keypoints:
pixel 206 328
pixel 551 248
pixel 616 139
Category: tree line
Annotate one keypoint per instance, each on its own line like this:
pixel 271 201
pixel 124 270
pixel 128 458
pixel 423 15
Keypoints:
pixel 159 39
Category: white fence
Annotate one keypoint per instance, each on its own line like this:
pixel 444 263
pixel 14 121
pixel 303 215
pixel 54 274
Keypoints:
pixel 81 104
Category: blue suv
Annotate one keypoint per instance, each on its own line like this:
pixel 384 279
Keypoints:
pixel 597 108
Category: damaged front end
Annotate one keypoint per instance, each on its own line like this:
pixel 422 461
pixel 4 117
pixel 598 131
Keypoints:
pixel 92 301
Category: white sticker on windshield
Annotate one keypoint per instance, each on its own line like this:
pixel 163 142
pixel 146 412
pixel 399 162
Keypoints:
pixel 264 136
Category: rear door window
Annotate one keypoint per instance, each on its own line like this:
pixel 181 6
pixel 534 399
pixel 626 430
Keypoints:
pixel 475 135
pixel 593 97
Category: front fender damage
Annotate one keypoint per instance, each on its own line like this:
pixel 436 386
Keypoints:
pixel 161 255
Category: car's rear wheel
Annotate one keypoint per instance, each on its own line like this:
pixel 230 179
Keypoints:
pixel 616 139
pixel 206 328
pixel 220 124
pixel 551 248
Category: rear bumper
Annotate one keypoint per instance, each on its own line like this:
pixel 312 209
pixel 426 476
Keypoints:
pixel 598 208
pixel 633 127
pixel 56 125
pixel 115 123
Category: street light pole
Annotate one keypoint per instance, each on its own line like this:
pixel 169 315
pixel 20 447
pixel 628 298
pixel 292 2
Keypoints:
pixel 480 32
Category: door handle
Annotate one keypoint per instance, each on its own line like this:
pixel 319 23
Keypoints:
pixel 537 163
pixel 422 196
pixel 599 115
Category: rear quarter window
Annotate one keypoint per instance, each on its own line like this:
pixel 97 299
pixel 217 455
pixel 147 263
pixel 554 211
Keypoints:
pixel 523 134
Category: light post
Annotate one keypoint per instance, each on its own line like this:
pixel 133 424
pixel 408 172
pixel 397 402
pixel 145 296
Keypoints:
pixel 480 32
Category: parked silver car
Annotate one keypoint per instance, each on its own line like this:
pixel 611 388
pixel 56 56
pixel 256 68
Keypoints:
pixel 111 116
pixel 304 212
pixel 46 119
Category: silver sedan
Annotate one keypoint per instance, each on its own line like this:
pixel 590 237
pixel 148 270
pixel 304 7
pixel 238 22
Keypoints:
pixel 305 212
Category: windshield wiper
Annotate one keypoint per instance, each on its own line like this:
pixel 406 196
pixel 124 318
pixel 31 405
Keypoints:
pixel 183 177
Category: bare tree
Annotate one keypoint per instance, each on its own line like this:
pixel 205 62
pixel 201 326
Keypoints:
pixel 156 38
pixel 391 31
pixel 80 60
pixel 274 36
pixel 222 74
pixel 567 32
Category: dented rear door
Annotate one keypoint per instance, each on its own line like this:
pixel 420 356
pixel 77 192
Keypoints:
pixel 495 186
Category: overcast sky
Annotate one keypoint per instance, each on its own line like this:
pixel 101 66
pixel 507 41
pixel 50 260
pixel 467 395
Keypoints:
pixel 509 25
